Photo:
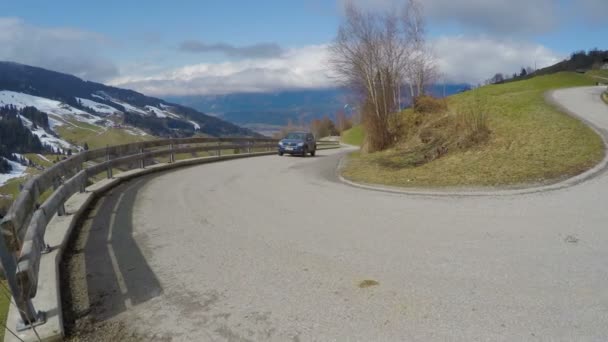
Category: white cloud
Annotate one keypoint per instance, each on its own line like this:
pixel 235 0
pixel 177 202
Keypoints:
pixel 472 60
pixel 461 59
pixel 295 69
pixel 67 50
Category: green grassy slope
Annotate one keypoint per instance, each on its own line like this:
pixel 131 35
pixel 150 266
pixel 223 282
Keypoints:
pixel 601 74
pixel 78 133
pixel 531 142
pixel 353 136
pixel 4 304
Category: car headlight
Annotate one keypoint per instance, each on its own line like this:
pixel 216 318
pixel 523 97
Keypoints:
pixel 280 143
pixel 300 144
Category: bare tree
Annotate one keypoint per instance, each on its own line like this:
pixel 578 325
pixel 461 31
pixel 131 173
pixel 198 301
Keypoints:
pixel 497 78
pixel 342 121
pixel 373 53
pixel 422 70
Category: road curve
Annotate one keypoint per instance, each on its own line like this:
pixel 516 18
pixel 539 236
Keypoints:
pixel 276 248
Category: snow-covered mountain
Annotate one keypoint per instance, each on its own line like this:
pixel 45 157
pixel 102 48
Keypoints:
pixel 67 99
pixel 43 112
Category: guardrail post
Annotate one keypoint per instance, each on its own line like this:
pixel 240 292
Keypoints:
pixel 108 158
pixel 83 185
pixel 172 156
pixel 61 209
pixel 142 161
pixel 29 316
pixel 219 149
pixel 249 143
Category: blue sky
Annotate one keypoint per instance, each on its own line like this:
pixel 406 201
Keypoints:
pixel 239 22
pixel 192 47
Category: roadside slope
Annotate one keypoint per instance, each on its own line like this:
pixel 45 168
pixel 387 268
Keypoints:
pixel 531 143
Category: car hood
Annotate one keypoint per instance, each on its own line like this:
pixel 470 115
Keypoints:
pixel 292 141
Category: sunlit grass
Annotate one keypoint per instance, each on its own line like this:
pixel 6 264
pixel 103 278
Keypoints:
pixel 601 73
pixel 530 142
pixel 98 138
pixel 4 306
pixel 354 136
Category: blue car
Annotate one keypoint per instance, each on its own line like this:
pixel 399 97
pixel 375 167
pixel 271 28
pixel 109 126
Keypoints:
pixel 299 143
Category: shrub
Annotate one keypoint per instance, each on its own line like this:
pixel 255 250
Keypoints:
pixel 378 135
pixel 473 115
pixel 427 104
pixel 323 128
pixel 425 138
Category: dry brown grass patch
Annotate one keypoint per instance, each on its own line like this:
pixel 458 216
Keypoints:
pixel 368 283
pixel 428 104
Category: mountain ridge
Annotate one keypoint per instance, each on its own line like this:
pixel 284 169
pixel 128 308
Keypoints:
pixel 68 89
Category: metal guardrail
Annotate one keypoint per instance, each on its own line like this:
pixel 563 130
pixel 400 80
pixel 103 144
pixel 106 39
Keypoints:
pixel 23 228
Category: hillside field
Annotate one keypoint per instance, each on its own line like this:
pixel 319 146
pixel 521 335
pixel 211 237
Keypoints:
pixel 353 136
pixel 531 142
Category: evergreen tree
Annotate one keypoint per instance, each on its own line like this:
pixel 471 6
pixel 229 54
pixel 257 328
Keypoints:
pixel 523 72
pixel 5 166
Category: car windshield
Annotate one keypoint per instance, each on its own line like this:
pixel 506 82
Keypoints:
pixel 296 136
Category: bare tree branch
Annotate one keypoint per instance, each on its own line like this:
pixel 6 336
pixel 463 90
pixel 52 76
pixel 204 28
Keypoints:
pixel 375 54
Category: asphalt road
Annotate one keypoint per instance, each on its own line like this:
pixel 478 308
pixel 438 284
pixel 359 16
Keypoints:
pixel 276 248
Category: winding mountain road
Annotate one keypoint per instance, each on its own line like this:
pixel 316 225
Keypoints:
pixel 277 248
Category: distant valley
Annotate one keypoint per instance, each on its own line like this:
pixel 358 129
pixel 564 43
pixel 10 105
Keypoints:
pixel 265 113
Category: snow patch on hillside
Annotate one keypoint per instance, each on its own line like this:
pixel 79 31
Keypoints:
pixel 99 107
pixel 53 122
pixel 21 100
pixel 18 171
pixel 43 158
pixel 135 131
pixel 162 113
pixel 196 125
pixel 130 108
pixel 46 137
pixel 98 96
pixel 159 113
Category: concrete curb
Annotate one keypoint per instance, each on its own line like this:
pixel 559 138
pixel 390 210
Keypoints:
pixel 59 230
pixel 595 171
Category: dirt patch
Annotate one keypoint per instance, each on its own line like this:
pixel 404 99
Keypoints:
pixel 86 329
pixel 368 283
pixel 571 239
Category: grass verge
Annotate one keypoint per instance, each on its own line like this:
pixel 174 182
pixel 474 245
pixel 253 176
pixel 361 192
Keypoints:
pixel 353 136
pixel 531 142
pixel 4 304
pixel 98 138
pixel 601 74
